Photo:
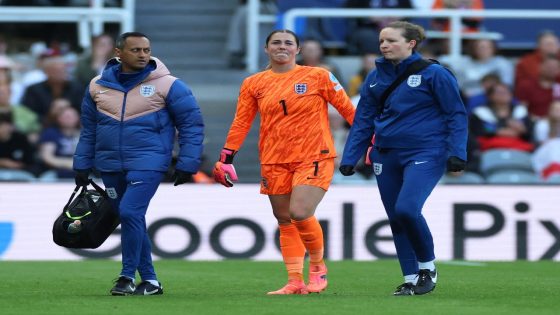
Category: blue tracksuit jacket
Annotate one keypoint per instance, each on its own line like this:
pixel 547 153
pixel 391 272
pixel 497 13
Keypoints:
pixel 422 112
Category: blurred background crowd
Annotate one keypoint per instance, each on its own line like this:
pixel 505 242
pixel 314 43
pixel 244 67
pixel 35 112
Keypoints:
pixel 512 93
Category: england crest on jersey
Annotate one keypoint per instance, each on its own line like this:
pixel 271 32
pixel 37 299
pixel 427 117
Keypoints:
pixel 111 192
pixel 414 80
pixel 300 88
pixel 377 168
pixel 147 90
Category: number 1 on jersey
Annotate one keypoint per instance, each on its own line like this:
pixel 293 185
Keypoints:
pixel 283 103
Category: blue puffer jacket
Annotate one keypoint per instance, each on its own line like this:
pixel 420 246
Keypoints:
pixel 129 122
pixel 425 111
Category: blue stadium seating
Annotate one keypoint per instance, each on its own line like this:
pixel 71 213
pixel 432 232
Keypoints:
pixel 497 160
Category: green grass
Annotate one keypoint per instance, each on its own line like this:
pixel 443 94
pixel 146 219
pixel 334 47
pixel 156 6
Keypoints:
pixel 239 287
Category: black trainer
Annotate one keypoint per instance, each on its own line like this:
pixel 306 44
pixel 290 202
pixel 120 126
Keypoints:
pixel 406 288
pixel 426 281
pixel 123 286
pixel 146 288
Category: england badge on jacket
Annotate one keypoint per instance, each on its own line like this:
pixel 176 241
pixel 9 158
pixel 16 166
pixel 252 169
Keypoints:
pixel 377 168
pixel 414 80
pixel 147 90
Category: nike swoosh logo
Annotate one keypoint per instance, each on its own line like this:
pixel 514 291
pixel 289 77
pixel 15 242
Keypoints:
pixel 146 292
pixel 374 84
pixel 103 91
pixel 135 183
pixel 420 162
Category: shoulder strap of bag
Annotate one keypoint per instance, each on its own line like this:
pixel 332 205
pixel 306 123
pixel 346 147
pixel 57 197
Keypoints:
pixel 414 67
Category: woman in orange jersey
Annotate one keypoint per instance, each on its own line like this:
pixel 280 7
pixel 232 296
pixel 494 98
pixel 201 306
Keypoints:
pixel 296 151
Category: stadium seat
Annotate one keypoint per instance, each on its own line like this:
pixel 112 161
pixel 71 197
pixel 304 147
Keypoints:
pixel 498 160
pixel 464 178
pixel 553 179
pixel 513 177
pixel 347 66
pixel 48 176
pixel 16 176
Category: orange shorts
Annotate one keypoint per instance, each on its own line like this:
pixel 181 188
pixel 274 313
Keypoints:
pixel 279 179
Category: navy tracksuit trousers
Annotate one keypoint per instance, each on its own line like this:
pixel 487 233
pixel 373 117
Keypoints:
pixel 405 178
pixel 130 192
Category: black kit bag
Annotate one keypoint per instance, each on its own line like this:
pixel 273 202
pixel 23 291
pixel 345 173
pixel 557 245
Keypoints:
pixel 93 209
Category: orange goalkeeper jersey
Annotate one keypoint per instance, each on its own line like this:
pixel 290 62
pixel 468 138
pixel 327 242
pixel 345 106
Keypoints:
pixel 294 114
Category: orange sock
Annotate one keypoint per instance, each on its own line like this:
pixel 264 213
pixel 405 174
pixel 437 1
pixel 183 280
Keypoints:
pixel 293 251
pixel 311 234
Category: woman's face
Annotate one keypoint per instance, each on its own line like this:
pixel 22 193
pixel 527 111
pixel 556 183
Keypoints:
pixel 68 118
pixel 282 48
pixel 311 51
pixel 393 45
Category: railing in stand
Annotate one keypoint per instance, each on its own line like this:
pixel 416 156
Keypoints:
pixel 455 35
pixel 90 20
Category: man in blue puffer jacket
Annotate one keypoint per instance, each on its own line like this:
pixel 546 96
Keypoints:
pixel 130 115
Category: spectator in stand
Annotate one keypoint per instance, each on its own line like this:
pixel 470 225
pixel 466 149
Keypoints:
pixel 481 61
pixel 39 96
pixel 16 152
pixel 548 127
pixel 546 159
pixel 364 32
pixel 57 144
pixel 32 70
pixel 312 55
pixel 487 81
pixel 57 105
pixel 93 62
pixel 538 94
pixel 355 84
pixel 527 68
pixel 7 69
pixel 502 124
pixel 24 120
pixel 469 24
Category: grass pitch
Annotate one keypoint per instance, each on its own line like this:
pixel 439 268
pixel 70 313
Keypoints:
pixel 239 287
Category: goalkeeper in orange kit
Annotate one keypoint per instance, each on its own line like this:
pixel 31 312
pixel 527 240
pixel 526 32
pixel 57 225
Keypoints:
pixel 296 151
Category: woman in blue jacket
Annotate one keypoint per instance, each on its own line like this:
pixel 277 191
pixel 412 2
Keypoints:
pixel 421 127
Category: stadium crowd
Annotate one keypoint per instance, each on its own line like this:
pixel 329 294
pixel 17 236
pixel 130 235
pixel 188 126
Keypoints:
pixel 513 101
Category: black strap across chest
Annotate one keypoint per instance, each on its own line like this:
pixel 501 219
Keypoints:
pixel 413 68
